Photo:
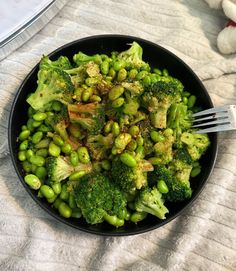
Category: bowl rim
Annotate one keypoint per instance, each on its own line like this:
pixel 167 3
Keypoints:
pixel 49 210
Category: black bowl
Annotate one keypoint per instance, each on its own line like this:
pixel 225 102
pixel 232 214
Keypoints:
pixel 157 57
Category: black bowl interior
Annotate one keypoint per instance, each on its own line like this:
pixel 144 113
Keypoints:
pixel 157 57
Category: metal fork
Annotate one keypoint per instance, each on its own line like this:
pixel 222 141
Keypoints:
pixel 216 119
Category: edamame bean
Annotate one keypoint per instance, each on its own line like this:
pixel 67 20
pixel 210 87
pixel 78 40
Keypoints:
pixel 122 140
pixel 37 160
pixel 76 213
pixel 51 200
pixel 157 71
pixel 124 214
pixel 165 72
pixel 112 73
pixel 141 75
pixel 132 73
pixel 128 159
pixel 37 137
pixel 23 127
pixel 83 155
pixel 95 98
pixel 40 116
pixel 33 181
pixel 186 94
pixel 71 201
pixel 43 128
pixel 33 167
pixel 185 100
pixel 140 151
pixel 118 102
pixel 47 191
pixel 195 171
pixel 57 202
pixel 108 126
pixel 56 106
pixel 56 188
pixel 115 129
pixel 43 144
pixel 87 93
pixel 29 125
pixel 41 173
pixel 26 166
pixel 162 187
pixel 66 148
pixel 64 193
pixel 191 101
pixel 132 145
pixel 155 160
pixel 114 220
pixel 29 153
pixel 106 164
pixel 36 123
pixel 122 74
pixel 58 140
pixel 31 111
pixel 54 150
pixel 138 216
pixel 24 135
pixel 115 92
pixel 168 132
pixel 104 67
pixel 140 140
pixel 64 210
pixel 157 137
pixel 74 159
pixel 134 130
pixel 24 145
pixel 153 78
pixel 119 64
pixel 75 176
pixel 147 80
pixel 22 156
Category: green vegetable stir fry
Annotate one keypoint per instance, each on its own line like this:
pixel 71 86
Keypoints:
pixel 109 138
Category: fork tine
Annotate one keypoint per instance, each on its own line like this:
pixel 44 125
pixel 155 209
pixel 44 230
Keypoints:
pixel 212 117
pixel 220 121
pixel 219 128
pixel 212 111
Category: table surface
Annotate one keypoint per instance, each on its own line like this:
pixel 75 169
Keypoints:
pixel 204 236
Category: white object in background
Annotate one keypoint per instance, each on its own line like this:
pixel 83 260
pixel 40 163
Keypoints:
pixel 21 19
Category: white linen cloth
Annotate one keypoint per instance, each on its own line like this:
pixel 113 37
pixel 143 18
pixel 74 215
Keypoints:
pixel 204 237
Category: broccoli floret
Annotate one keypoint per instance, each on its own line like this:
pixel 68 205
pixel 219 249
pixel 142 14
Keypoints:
pixel 127 178
pixel 98 145
pixel 178 191
pixel 181 166
pixel 135 88
pixel 157 99
pixel 179 119
pixel 196 144
pixel 131 105
pixel 59 168
pixel 163 149
pixel 53 84
pixel 82 58
pixel 62 62
pixel 90 116
pixel 150 201
pixel 99 199
pixel 60 122
pixel 146 128
pixel 133 56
